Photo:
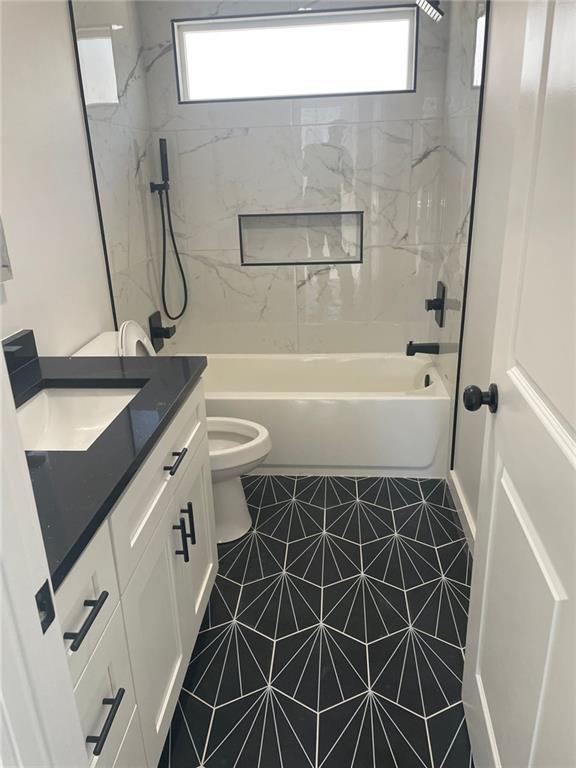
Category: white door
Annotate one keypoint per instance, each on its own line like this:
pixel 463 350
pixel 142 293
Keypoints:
pixel 520 672
pixel 39 724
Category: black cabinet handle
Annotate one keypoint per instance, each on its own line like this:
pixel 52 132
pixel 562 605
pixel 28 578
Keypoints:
pixel 100 740
pixel 78 637
pixel 474 398
pixel 174 467
pixel 190 512
pixel 184 551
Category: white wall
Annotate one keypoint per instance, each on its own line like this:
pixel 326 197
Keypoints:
pixel 496 152
pixel 48 206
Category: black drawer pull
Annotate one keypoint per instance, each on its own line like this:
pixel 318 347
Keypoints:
pixel 190 512
pixel 174 468
pixel 182 528
pixel 78 637
pixel 100 740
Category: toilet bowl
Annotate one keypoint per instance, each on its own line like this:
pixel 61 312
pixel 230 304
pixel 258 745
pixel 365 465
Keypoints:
pixel 236 447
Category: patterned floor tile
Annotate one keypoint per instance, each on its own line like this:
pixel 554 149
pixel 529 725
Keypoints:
pixel 364 608
pixel 323 559
pixel 401 562
pixel 280 605
pixel 334 634
pixel 320 667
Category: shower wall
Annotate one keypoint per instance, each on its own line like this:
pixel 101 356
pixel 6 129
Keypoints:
pixel 404 159
pixel 379 154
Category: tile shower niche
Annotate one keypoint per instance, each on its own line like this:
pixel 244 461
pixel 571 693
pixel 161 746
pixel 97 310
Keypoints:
pixel 301 238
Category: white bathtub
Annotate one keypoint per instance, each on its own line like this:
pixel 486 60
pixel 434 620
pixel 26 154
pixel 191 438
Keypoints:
pixel 337 413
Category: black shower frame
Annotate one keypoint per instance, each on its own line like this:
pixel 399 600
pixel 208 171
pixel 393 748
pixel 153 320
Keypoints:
pixel 280 14
pixel 92 165
pixel 306 263
pixel 457 385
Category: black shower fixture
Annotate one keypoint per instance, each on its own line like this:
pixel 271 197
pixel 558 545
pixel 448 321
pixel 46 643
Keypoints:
pixel 432 8
pixel 162 190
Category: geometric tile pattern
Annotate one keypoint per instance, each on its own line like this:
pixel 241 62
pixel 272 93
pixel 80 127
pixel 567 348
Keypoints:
pixel 335 633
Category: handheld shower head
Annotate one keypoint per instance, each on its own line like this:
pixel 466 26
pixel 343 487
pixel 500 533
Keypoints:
pixel 164 161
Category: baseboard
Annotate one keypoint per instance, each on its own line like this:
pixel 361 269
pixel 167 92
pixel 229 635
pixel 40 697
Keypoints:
pixel 463 509
pixel 267 469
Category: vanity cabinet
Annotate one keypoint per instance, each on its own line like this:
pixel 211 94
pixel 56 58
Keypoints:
pixel 155 558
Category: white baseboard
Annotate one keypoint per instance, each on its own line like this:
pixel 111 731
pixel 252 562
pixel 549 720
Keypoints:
pixel 467 519
pixel 267 469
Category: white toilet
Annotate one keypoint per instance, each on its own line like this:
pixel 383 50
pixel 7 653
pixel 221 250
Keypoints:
pixel 236 446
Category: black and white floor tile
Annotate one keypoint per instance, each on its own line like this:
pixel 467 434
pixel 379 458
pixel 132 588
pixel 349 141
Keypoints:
pixel 335 633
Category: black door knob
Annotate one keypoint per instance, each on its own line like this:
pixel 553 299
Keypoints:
pixel 474 398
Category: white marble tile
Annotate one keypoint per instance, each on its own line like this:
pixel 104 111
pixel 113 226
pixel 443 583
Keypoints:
pixel 328 294
pixel 224 291
pixel 123 174
pixel 426 183
pixel 401 279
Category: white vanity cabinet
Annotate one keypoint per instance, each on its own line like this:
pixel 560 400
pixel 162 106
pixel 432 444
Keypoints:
pixel 156 557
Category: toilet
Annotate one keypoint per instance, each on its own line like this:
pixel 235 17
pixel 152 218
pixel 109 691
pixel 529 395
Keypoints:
pixel 236 446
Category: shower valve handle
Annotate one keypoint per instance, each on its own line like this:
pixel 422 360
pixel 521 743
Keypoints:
pixel 164 332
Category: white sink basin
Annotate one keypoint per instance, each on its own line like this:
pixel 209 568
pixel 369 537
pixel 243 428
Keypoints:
pixel 69 419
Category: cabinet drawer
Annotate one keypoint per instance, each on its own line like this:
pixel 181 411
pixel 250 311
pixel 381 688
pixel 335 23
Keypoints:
pixel 92 580
pixel 106 674
pixel 141 506
pixel 131 752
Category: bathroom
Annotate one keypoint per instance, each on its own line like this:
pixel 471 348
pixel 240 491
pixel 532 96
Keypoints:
pixel 288 437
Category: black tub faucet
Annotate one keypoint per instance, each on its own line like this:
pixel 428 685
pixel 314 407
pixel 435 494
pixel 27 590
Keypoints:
pixel 425 349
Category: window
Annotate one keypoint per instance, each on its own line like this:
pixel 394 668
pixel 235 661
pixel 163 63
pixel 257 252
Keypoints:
pixel 97 65
pixel 313 53
pixel 479 51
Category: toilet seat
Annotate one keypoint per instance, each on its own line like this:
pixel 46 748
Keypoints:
pixel 133 341
pixel 236 442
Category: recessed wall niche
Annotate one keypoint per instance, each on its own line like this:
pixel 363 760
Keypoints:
pixel 271 239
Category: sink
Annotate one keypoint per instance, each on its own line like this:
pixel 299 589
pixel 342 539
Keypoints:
pixel 69 419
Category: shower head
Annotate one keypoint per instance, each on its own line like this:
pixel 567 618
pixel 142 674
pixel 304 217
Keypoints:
pixel 432 8
pixel 164 161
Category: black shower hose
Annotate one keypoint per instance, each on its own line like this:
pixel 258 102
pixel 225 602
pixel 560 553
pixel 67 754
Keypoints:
pixel 163 216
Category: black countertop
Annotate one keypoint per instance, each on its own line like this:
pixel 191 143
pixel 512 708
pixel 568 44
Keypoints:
pixel 75 490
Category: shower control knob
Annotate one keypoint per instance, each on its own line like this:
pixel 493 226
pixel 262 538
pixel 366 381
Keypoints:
pixel 474 398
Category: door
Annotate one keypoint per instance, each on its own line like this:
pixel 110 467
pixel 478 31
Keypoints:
pixel 39 724
pixel 196 505
pixel 520 666
pixel 152 605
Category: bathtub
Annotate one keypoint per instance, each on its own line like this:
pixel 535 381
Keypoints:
pixel 362 414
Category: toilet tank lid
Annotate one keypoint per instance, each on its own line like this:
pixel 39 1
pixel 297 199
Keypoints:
pixel 103 345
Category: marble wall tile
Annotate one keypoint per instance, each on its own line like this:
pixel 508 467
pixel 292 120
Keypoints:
pixel 426 182
pixel 123 173
pixel 406 160
pixel 330 293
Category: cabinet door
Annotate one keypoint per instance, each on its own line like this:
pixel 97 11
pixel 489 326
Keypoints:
pixel 152 605
pixel 195 505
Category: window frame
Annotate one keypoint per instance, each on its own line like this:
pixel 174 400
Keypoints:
pixel 210 20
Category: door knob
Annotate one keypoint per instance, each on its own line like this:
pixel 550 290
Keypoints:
pixel 474 398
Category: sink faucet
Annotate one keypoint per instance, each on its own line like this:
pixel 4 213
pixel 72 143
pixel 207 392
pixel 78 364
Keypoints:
pixel 426 349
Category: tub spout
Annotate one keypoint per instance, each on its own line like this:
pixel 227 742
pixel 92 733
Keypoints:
pixel 425 349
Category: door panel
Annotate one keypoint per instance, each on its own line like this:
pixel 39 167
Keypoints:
pixel 520 665
pixel 520 600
